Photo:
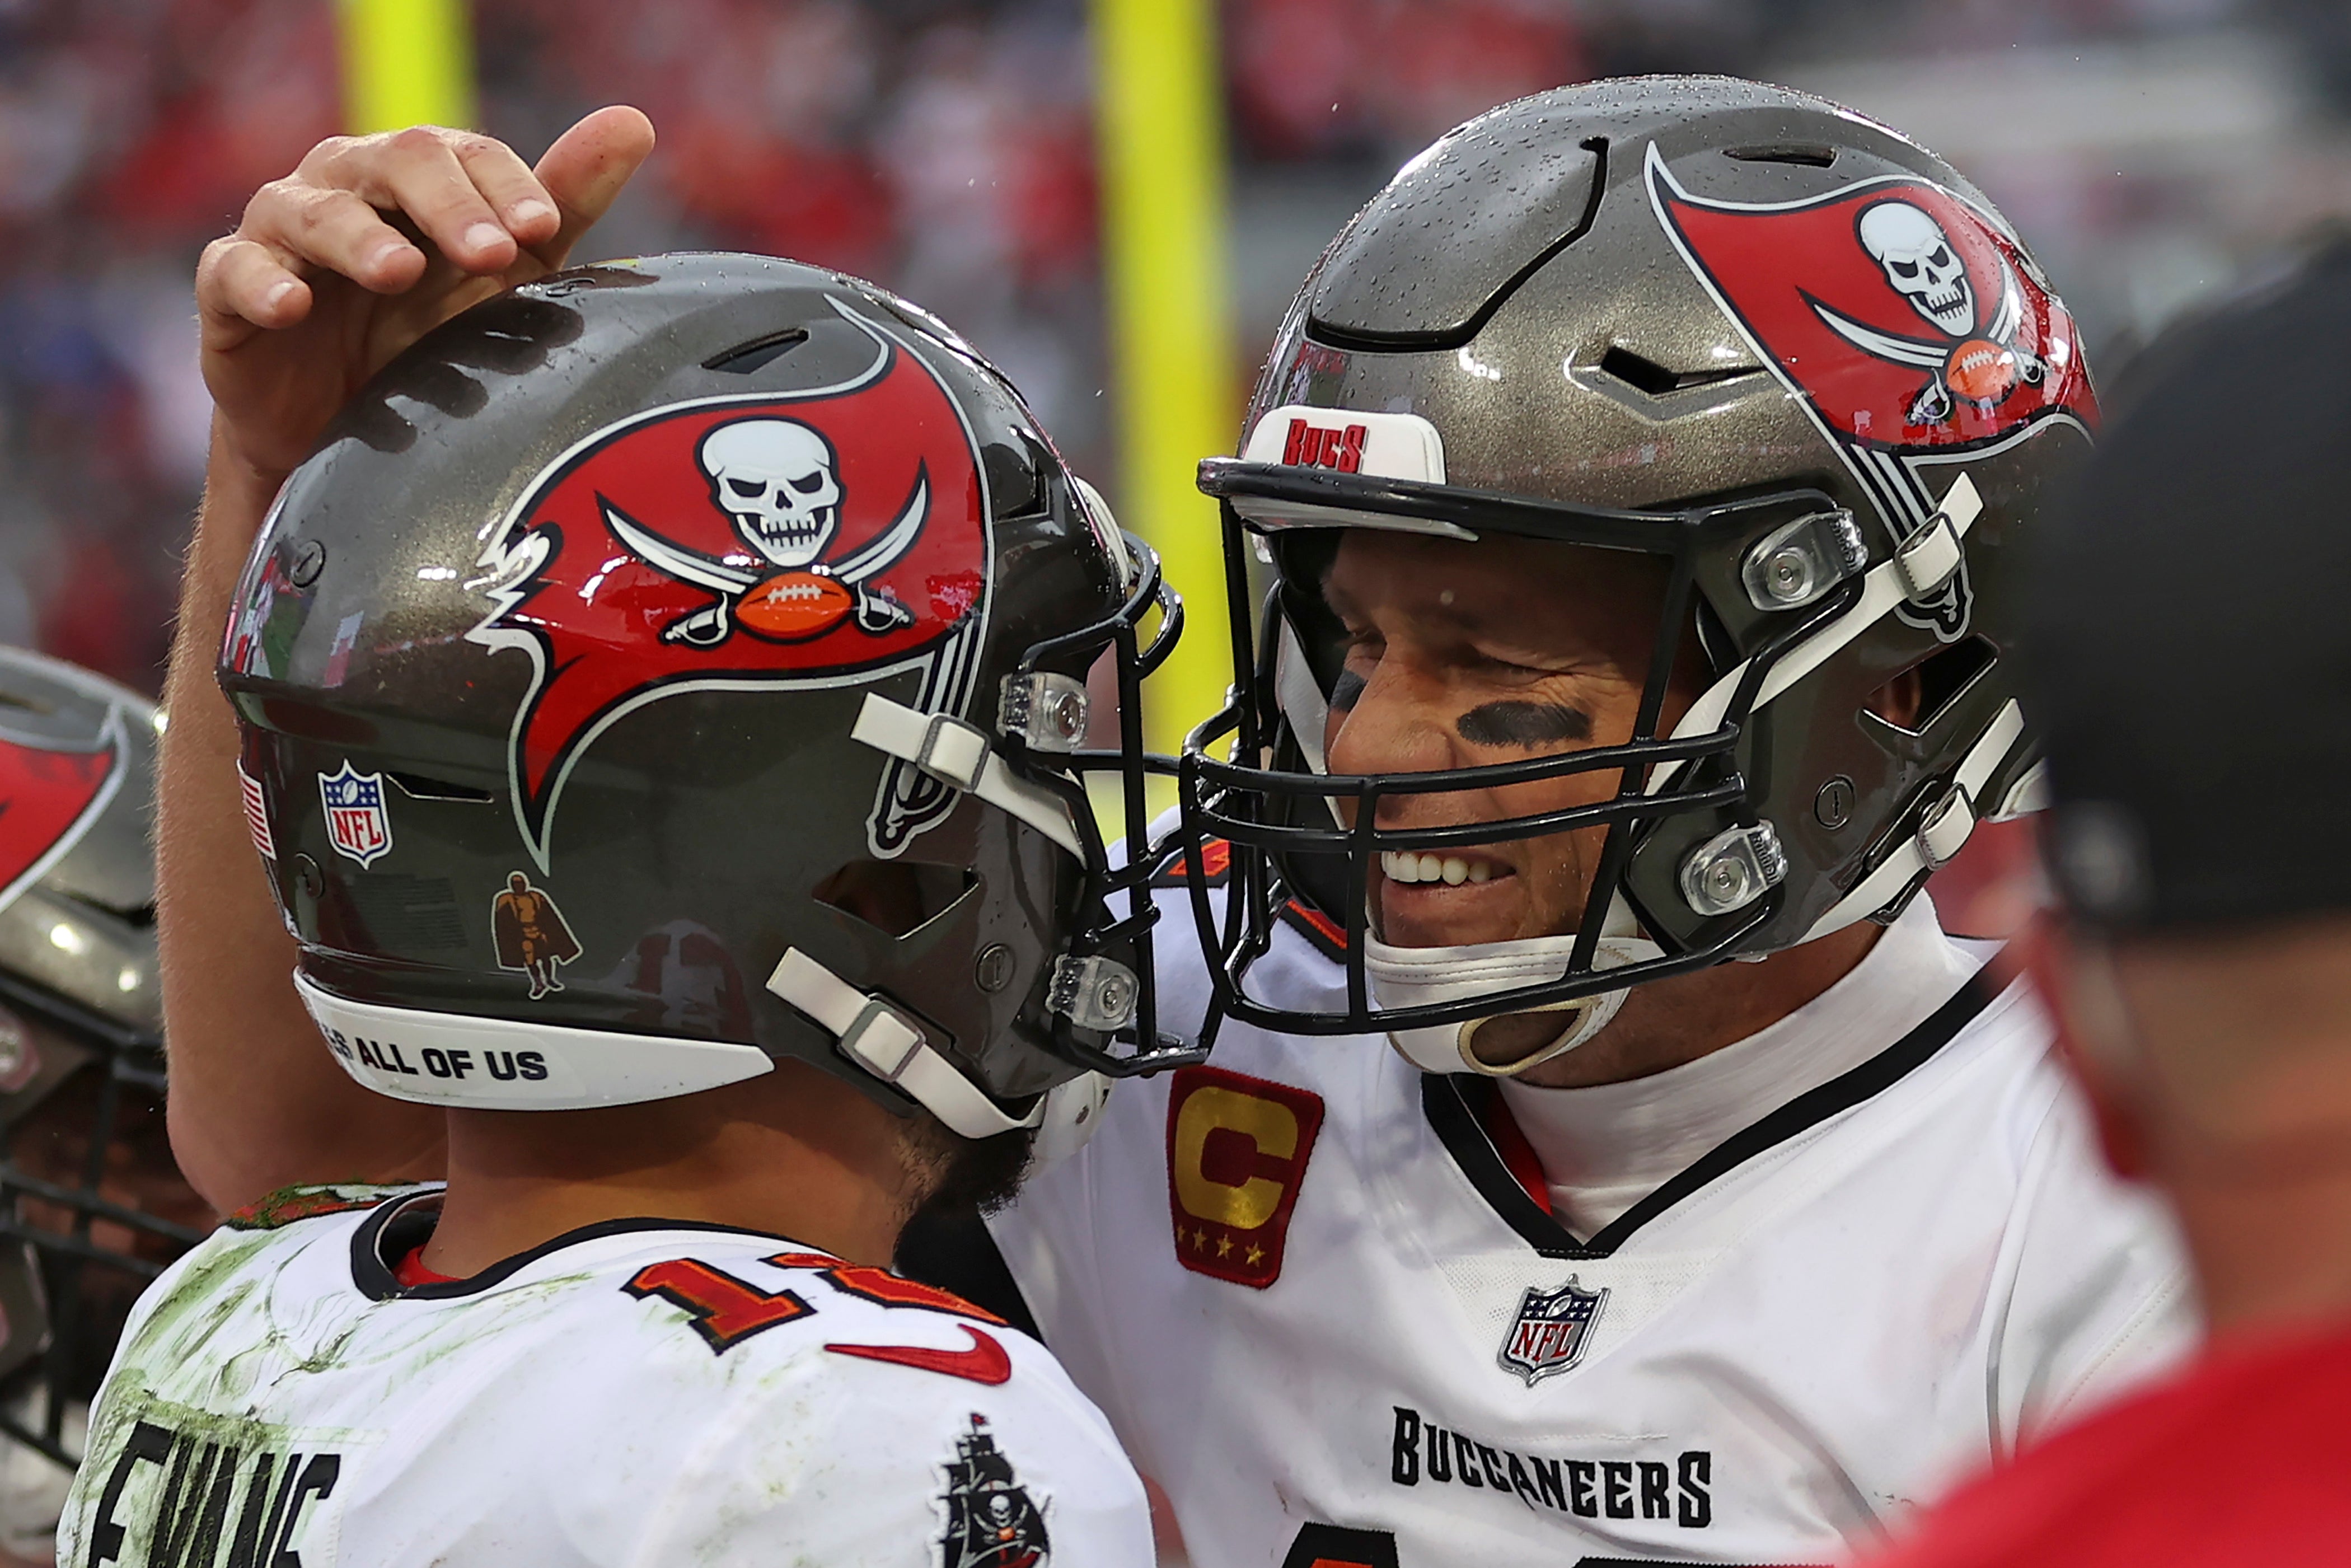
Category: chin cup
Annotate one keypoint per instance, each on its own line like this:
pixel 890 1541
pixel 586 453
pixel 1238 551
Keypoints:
pixel 1421 976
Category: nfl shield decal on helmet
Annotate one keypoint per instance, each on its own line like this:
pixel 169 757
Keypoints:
pixel 357 824
pixel 1551 1330
pixel 765 541
pixel 1909 322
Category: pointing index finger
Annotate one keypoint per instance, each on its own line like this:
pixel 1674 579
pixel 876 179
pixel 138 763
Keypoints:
pixel 586 170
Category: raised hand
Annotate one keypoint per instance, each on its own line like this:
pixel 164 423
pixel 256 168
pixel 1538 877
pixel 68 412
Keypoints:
pixel 371 243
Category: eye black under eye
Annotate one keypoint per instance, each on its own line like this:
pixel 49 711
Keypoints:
pixel 1346 690
pixel 1523 723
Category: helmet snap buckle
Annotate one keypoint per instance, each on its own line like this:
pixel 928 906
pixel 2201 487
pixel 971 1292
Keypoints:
pixel 1929 558
pixel 1047 710
pixel 1945 828
pixel 1797 563
pixel 1093 992
pixel 879 1040
pixel 1733 869
pixel 953 751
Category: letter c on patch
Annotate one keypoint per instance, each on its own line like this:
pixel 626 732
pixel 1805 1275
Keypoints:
pixel 1268 1123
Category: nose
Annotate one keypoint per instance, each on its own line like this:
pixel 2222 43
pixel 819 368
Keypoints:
pixel 1401 722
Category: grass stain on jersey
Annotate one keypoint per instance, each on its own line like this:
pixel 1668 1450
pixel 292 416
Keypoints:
pixel 171 1483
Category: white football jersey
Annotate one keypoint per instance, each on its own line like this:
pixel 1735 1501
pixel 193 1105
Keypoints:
pixel 649 1391
pixel 1323 1300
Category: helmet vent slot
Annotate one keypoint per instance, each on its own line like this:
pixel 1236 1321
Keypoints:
pixel 1804 154
pixel 758 353
pixel 1943 678
pixel 1648 376
pixel 897 898
pixel 418 787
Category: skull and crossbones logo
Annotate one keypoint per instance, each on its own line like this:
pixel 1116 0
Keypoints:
pixel 1923 266
pixel 778 481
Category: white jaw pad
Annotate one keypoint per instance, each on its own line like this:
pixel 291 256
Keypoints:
pixel 500 1064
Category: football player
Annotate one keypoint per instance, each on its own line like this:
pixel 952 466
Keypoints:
pixel 1638 480
pixel 95 1207
pixel 658 709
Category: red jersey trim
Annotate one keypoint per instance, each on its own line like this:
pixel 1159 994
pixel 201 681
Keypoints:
pixel 1518 1155
pixel 412 1273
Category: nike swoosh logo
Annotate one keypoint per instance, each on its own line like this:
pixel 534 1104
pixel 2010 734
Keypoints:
pixel 985 1362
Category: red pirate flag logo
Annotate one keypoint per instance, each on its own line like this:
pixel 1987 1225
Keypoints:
pixel 745 543
pixel 50 793
pixel 1908 321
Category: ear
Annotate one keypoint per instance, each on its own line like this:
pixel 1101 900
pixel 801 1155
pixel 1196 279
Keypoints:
pixel 2062 972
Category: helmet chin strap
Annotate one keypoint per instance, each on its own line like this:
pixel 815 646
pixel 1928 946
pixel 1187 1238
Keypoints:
pixel 892 1047
pixel 1425 977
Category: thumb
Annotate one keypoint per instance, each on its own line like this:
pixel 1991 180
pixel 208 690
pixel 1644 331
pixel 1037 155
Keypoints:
pixel 585 170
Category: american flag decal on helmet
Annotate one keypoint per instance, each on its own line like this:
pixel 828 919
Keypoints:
pixel 256 813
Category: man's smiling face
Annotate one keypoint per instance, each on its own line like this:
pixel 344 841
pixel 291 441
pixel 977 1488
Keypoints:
pixel 1461 656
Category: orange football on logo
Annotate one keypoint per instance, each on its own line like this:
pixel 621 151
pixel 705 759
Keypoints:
pixel 1981 370
pixel 794 606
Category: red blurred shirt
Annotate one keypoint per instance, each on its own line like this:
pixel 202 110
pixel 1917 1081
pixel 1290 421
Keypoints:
pixel 2245 1459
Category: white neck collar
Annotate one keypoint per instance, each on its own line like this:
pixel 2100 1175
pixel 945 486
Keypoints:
pixel 1606 1147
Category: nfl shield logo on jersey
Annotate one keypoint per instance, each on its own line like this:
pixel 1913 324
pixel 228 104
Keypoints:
pixel 1549 1333
pixel 357 823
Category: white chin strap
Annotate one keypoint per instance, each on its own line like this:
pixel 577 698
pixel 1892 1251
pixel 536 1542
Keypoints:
pixel 1920 569
pixel 891 1046
pixel 962 755
pixel 884 1042
pixel 1424 977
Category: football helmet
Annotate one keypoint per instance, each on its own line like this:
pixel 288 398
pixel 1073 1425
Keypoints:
pixel 1789 354
pixel 95 1207
pixel 677 664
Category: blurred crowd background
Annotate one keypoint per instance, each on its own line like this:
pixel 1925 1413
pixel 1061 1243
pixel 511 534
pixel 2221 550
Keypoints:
pixel 2153 151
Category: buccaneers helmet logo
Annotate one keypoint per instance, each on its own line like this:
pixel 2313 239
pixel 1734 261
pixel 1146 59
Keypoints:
pixel 780 481
pixel 745 543
pixel 1909 322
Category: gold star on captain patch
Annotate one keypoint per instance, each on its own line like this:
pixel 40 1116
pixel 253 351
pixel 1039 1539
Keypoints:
pixel 1254 1256
pixel 1224 1246
pixel 1199 1239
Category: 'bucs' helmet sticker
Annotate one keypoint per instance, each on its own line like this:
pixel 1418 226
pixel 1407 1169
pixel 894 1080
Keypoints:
pixel 770 540
pixel 1910 324
pixel 50 795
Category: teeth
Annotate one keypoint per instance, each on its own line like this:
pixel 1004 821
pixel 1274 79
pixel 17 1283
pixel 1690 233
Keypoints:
pixel 1402 866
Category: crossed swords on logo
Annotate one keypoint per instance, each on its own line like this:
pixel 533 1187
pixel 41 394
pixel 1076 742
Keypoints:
pixel 706 628
pixel 1933 403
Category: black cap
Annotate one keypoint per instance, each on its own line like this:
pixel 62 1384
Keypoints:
pixel 2191 627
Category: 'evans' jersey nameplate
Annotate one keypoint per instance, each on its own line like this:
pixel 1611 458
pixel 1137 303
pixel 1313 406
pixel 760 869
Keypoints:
pixel 182 1484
